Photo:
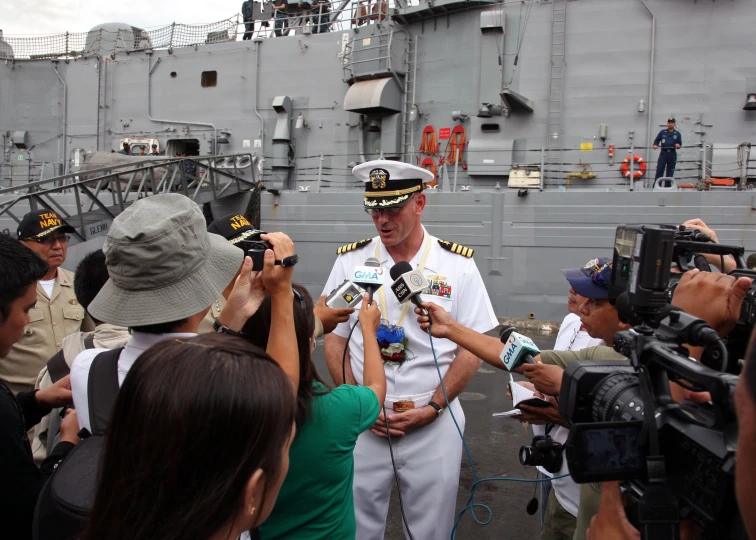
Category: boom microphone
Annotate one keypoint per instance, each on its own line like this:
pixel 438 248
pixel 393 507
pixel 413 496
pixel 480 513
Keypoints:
pixel 369 277
pixel 517 350
pixel 408 284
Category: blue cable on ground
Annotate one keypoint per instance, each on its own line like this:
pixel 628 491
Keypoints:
pixel 471 504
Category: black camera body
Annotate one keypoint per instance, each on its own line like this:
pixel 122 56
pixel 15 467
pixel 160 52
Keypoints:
pixel 678 459
pixel 544 452
pixel 255 247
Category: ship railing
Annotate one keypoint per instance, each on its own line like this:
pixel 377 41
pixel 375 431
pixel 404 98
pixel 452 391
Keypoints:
pixel 330 171
pixel 97 42
pixel 102 193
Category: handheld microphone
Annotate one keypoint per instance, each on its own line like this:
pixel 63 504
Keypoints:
pixel 369 276
pixel 517 350
pixel 505 332
pixel 408 284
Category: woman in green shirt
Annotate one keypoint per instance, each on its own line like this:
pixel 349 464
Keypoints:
pixel 316 500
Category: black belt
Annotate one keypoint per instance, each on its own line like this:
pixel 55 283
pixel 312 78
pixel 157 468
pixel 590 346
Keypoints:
pixel 668 149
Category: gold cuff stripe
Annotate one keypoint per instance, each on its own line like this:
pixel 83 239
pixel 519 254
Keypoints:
pixel 393 193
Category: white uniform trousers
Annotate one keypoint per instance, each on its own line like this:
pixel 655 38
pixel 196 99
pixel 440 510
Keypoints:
pixel 427 464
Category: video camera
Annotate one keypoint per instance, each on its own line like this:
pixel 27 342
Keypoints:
pixel 678 459
pixel 255 247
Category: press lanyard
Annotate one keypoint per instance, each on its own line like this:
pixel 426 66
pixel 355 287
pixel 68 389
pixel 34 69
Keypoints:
pixel 382 291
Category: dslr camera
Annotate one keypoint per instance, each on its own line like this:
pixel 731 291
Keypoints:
pixel 543 452
pixel 677 459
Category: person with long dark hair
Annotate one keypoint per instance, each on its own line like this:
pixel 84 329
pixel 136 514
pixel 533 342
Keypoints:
pixel 197 446
pixel 316 500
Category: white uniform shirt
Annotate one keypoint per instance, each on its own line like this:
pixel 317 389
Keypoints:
pixel 138 343
pixel 467 302
pixel 569 338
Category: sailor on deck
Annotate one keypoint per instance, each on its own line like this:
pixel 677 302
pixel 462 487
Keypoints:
pixel 670 140
pixel 426 445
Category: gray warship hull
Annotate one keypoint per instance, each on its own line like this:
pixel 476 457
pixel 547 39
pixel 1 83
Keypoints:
pixel 543 93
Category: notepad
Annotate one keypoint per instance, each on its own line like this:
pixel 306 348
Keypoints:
pixel 520 394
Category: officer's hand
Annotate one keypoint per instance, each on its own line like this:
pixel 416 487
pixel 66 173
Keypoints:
pixel 411 419
pixel 611 521
pixel 57 395
pixel 656 147
pixel 545 377
pixel 379 428
pixel 370 316
pixel 245 298
pixel 330 317
pixel 677 146
pixel 440 318
pixel 277 279
pixel 715 298
pixel 69 428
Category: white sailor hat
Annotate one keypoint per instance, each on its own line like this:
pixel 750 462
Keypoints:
pixel 390 183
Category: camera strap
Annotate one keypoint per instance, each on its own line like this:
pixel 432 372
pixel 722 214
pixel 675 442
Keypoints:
pixel 658 509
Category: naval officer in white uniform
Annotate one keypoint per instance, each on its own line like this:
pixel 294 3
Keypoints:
pixel 427 448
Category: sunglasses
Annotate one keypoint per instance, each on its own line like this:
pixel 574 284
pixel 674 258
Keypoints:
pixel 597 274
pixel 299 296
pixel 50 240
pixel 391 212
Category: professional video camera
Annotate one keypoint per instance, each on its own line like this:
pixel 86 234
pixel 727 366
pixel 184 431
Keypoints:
pixel 678 459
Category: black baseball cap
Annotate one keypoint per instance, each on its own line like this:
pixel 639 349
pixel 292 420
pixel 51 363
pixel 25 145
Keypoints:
pixel 234 228
pixel 40 223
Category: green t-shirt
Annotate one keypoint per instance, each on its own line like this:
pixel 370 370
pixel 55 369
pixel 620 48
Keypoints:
pixel 316 499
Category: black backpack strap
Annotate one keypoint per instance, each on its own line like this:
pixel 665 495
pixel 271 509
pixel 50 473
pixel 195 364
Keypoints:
pixel 57 367
pixel 102 387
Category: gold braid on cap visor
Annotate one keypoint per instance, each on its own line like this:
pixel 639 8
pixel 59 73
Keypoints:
pixel 401 195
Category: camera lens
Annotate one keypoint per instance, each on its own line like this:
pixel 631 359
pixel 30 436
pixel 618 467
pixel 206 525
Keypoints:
pixel 617 398
pixel 527 456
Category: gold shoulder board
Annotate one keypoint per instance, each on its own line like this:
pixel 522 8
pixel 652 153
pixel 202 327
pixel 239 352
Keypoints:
pixel 457 248
pixel 351 247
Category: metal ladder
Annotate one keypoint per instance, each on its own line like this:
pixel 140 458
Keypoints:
pixel 556 90
pixel 408 131
pixel 102 82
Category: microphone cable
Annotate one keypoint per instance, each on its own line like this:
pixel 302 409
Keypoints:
pixel 471 504
pixel 388 435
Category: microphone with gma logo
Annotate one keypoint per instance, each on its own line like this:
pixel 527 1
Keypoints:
pixel 369 277
pixel 518 349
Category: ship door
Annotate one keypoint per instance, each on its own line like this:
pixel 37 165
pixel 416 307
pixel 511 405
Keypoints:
pixel 187 147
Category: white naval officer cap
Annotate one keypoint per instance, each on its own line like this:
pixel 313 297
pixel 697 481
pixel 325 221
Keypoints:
pixel 390 183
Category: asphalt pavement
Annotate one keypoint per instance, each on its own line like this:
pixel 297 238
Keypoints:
pixel 494 444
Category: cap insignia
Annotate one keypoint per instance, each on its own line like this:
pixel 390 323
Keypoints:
pixel 378 178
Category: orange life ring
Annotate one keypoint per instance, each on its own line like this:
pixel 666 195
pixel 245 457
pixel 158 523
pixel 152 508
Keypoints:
pixel 639 172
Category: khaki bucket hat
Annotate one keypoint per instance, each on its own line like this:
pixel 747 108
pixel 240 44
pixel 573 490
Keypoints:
pixel 164 266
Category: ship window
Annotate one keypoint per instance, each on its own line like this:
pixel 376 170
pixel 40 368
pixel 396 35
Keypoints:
pixel 209 78
pixel 489 128
pixel 173 74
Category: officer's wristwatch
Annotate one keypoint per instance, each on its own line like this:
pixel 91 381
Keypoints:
pixel 439 409
pixel 218 327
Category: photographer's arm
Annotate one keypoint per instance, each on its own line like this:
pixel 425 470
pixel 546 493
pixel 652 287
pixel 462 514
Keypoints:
pixel 282 338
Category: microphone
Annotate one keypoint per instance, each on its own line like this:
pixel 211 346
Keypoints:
pixel 369 277
pixel 518 349
pixel 408 284
pixel 505 332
